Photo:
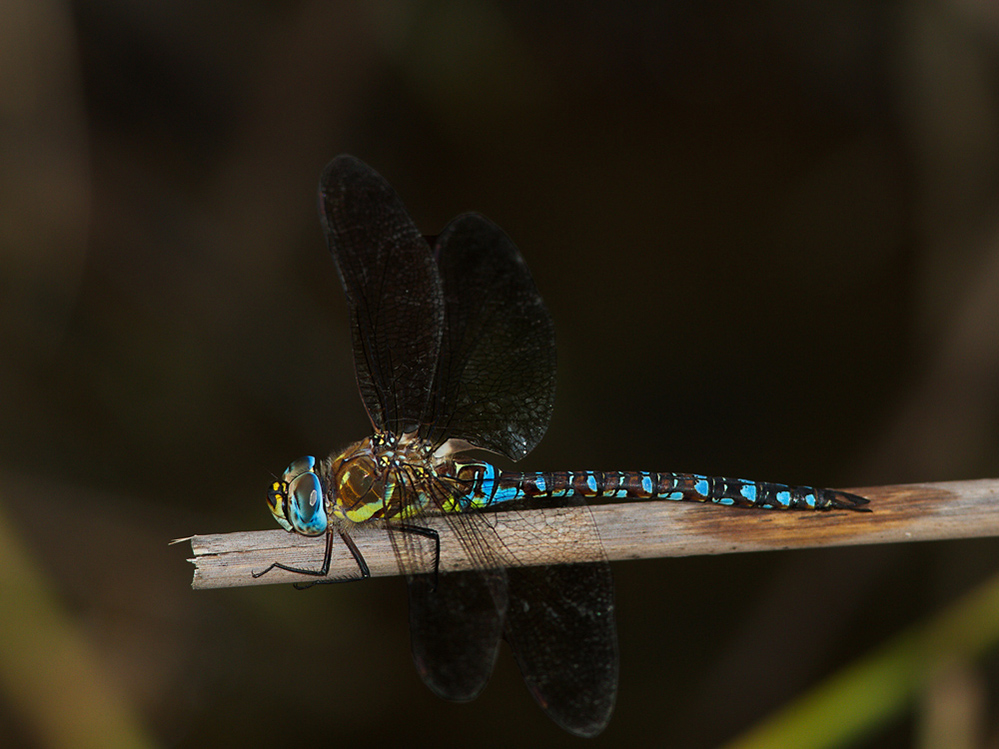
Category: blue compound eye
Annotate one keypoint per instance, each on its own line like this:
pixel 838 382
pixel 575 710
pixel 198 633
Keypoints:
pixel 296 500
pixel 305 464
pixel 305 508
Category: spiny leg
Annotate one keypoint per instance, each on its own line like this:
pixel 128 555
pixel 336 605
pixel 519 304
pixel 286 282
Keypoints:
pixel 324 570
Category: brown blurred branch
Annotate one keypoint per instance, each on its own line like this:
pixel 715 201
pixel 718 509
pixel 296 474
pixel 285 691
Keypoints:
pixel 632 530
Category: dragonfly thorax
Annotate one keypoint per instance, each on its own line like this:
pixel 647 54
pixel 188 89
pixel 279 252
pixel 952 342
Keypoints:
pixel 378 478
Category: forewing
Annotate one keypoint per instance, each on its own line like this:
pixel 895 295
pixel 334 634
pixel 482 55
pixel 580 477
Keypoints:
pixel 456 619
pixel 495 378
pixel 560 627
pixel 558 619
pixel 455 630
pixel 393 292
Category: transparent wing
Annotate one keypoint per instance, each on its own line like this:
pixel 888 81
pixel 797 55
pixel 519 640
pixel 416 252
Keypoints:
pixel 393 292
pixel 456 619
pixel 495 379
pixel 558 619
pixel 560 626
pixel 455 630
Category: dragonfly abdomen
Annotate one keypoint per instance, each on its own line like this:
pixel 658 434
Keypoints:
pixel 489 486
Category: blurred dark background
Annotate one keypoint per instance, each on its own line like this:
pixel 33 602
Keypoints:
pixel 767 234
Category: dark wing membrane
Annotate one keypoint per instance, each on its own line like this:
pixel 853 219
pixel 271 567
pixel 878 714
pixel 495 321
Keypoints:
pixel 495 378
pixel 558 619
pixel 455 630
pixel 560 626
pixel 393 292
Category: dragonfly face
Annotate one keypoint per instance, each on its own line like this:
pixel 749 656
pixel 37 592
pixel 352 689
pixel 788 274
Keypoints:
pixel 297 501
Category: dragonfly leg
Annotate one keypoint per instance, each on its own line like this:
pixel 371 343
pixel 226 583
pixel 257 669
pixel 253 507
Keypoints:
pixel 419 530
pixel 324 570
pixel 354 552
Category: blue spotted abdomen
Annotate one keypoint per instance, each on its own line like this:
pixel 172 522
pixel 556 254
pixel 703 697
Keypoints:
pixel 489 485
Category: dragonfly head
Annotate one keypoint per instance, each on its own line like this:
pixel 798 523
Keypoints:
pixel 296 501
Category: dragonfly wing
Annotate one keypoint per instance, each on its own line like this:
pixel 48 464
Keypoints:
pixel 560 626
pixel 495 378
pixel 558 619
pixel 455 630
pixel 455 618
pixel 393 292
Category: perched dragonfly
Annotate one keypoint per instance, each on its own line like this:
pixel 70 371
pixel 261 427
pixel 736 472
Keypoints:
pixel 454 350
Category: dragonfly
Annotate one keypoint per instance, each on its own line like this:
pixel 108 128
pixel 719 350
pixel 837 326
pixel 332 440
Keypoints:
pixel 454 351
